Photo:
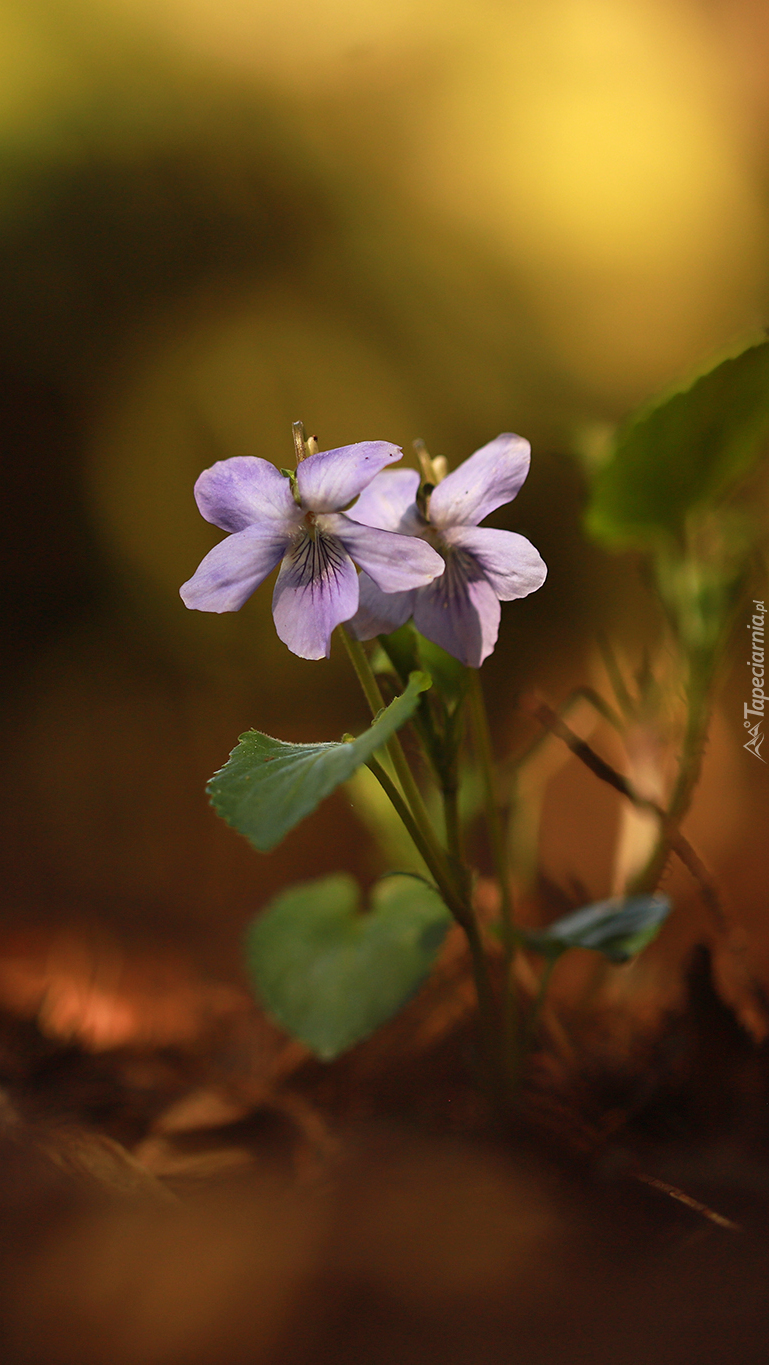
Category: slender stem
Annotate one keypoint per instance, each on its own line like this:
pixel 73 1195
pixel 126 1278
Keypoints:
pixel 674 840
pixel 440 746
pixel 536 1009
pixel 690 767
pixel 511 1043
pixel 453 823
pixel 420 843
pixel 412 810
pixel 363 669
pixel 495 1068
pixel 486 1004
pixel 394 748
pixel 496 833
pixel 626 703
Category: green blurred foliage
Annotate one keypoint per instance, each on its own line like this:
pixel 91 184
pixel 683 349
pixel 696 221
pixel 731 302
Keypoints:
pixel 683 453
pixel 618 929
pixel 665 489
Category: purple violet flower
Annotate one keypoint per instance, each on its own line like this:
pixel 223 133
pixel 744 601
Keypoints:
pixel 297 519
pixel 459 610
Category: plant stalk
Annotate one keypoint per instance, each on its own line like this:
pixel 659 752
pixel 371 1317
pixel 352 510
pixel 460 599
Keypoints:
pixel 482 733
pixel 420 843
pixel 413 812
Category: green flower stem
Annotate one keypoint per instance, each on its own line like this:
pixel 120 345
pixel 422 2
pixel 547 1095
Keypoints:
pixel 482 733
pixel 465 918
pixel 441 751
pixel 368 682
pixel 413 812
pixel 420 843
pixel 364 672
pixel 453 823
pixel 536 1009
pixel 496 833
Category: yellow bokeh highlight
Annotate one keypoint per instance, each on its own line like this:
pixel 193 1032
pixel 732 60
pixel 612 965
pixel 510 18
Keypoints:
pixel 593 144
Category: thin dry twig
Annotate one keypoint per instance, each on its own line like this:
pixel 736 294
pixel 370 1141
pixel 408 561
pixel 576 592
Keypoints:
pixel 681 1197
pixel 678 843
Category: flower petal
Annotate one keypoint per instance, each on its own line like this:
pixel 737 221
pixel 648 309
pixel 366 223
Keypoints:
pixel 488 479
pixel 316 589
pixel 510 562
pixel 234 568
pixel 460 612
pixel 379 612
pixel 331 479
pixel 244 491
pixel 395 562
pixel 390 502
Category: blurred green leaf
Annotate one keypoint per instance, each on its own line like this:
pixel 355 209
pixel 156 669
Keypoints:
pixel 449 676
pixel 331 975
pixel 681 452
pixel 405 649
pixel 267 786
pixel 397 652
pixel 617 928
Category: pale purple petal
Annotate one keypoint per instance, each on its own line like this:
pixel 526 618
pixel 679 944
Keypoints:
pixel 316 589
pixel 509 561
pixel 460 611
pixel 379 612
pixel 234 568
pixel 395 562
pixel 331 479
pixel 488 479
pixel 390 502
pixel 243 491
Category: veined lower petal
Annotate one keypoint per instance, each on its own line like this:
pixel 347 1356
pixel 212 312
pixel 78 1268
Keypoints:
pixel 332 478
pixel 459 611
pixel 389 502
pixel 316 589
pixel 396 563
pixel 379 612
pixel 509 561
pixel 234 569
pixel 488 479
pixel 244 491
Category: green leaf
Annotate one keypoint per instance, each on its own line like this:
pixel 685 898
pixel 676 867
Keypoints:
pixel 405 649
pixel 449 676
pixel 617 928
pixel 682 452
pixel 267 786
pixel 397 652
pixel 331 975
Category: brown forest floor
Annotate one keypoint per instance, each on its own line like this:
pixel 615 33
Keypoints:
pixel 182 1185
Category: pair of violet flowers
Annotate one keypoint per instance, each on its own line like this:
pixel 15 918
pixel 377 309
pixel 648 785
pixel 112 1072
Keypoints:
pixel 418 544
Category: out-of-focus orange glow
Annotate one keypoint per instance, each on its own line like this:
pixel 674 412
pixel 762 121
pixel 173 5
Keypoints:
pixel 95 995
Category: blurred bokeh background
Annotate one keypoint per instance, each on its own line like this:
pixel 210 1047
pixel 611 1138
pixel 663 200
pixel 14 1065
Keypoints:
pixel 438 219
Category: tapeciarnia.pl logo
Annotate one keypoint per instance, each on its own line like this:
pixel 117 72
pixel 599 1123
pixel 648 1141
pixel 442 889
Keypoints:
pixel 758 697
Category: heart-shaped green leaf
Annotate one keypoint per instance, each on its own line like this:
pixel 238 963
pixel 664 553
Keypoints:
pixel 619 928
pixel 683 451
pixel 267 786
pixel 330 974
